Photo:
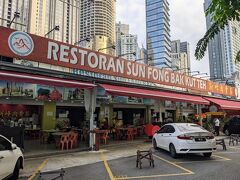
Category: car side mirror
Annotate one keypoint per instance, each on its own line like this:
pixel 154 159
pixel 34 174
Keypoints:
pixel 14 146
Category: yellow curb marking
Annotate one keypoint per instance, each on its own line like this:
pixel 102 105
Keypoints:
pixel 38 169
pixel 107 167
pixel 224 158
pixel 154 176
pixel 203 161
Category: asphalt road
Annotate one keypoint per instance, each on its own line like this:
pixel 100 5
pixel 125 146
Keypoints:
pixel 222 165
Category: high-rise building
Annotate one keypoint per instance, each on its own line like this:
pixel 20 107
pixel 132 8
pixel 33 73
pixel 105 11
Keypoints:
pixel 180 54
pixel 158 32
pixel 143 55
pixel 129 46
pixel 45 15
pixel 223 50
pixel 97 20
pixel 121 29
pixel 126 43
pixel 180 60
pixel 40 16
pixel 7 10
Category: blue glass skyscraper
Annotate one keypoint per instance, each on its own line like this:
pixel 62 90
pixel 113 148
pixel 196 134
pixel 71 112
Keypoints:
pixel 158 33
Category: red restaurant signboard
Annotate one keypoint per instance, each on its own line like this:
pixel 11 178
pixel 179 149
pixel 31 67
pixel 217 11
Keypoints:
pixel 17 44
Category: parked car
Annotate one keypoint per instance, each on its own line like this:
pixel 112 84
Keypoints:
pixel 184 138
pixel 232 126
pixel 11 159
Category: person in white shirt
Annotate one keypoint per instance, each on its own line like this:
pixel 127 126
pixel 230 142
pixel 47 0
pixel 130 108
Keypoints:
pixel 217 126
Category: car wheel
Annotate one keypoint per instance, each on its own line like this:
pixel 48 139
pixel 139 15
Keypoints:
pixel 207 154
pixel 155 144
pixel 172 151
pixel 227 132
pixel 16 171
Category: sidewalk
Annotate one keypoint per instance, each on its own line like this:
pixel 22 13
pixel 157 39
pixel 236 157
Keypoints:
pixel 110 152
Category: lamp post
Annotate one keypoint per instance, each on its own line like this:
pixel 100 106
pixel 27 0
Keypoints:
pixel 109 47
pixel 200 74
pixel 142 59
pixel 183 69
pixel 133 53
pixel 194 72
pixel 16 15
pixel 211 77
pixel 81 40
pixel 167 66
pixel 56 28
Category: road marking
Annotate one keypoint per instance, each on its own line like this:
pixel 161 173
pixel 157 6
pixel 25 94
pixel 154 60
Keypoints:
pixel 38 169
pixel 238 148
pixel 187 172
pixel 154 176
pixel 189 162
pixel 229 152
pixel 107 167
pixel 174 164
pixel 224 158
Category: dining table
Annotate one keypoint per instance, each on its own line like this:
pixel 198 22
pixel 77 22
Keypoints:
pixel 46 135
pixel 61 133
pixel 123 132
pixel 32 132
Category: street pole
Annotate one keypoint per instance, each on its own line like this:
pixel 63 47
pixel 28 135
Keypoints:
pixel 91 124
pixel 199 112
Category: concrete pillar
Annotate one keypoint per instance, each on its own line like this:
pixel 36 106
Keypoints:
pixel 90 106
pixel 48 116
pixel 92 110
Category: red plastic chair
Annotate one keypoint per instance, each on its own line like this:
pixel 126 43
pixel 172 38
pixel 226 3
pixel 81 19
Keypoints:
pixel 135 132
pixel 105 137
pixel 73 140
pixel 130 134
pixel 64 141
pixel 85 134
pixel 118 134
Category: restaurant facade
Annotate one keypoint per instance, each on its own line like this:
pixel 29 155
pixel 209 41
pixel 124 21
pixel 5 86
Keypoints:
pixel 47 85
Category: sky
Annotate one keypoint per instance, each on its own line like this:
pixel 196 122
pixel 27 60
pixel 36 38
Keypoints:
pixel 187 22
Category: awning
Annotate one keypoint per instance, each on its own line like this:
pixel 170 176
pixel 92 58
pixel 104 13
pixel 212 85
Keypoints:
pixel 153 94
pixel 225 104
pixel 45 80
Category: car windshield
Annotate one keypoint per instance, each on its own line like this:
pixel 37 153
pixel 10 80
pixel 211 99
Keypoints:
pixel 189 127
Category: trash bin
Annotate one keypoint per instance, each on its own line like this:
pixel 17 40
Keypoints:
pixel 96 139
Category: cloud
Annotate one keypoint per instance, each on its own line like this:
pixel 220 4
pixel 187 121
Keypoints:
pixel 187 23
pixel 132 12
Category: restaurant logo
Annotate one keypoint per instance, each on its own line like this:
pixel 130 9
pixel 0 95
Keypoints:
pixel 20 43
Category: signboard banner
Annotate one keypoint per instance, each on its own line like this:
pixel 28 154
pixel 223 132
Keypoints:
pixel 17 44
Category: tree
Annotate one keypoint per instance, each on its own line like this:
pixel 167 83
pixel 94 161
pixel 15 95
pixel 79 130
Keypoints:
pixel 222 12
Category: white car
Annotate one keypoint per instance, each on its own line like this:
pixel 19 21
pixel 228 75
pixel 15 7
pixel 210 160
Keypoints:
pixel 11 159
pixel 183 138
